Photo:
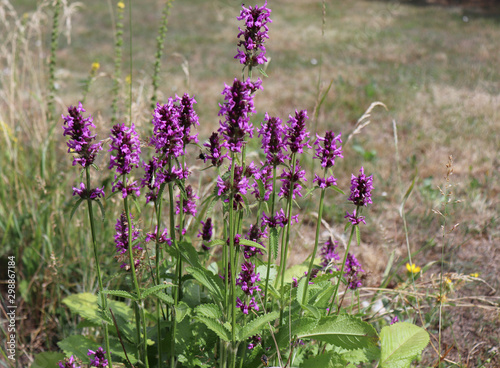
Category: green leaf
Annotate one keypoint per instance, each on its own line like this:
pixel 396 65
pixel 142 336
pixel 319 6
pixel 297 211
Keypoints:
pixel 251 243
pixel 209 310
pixel 216 327
pixel 209 280
pixel 358 235
pixel 327 360
pixel 216 242
pixel 263 72
pixel 78 346
pixel 401 343
pixel 338 190
pixel 165 298
pixel 361 355
pixel 190 254
pixel 301 290
pixel 75 207
pixel 256 325
pixel 313 310
pixel 273 242
pixel 407 195
pixel 154 290
pixel 121 294
pixel 47 359
pixel 103 212
pixel 181 311
pixel 344 331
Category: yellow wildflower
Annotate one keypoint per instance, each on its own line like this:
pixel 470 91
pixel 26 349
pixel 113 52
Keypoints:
pixel 121 4
pixel 95 66
pixel 412 268
pixel 128 79
pixel 448 281
pixel 474 274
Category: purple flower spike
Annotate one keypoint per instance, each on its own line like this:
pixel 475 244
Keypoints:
pixel 188 205
pixel 354 219
pixel 324 183
pixel 279 219
pixel 240 186
pixel 83 193
pixel 237 106
pixel 215 150
pixel 361 187
pixel 296 132
pixel 255 18
pixel 266 176
pixel 80 143
pixel 188 118
pixel 246 308
pixel 273 133
pixel 352 269
pixel 248 278
pixel 98 358
pixel 163 238
pixel 331 149
pixel 291 183
pixel 127 146
pixel 206 233
pixel 70 362
pixel 329 253
pixel 167 132
pixel 254 234
pixel 121 240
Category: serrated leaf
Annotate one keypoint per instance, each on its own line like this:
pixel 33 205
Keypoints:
pixel 216 327
pixel 78 346
pixel 358 356
pixel 181 311
pixel 216 242
pixel 327 360
pixel 313 310
pixel 301 290
pixel 273 242
pixel 165 298
pixel 209 310
pixel 121 294
pixel 212 282
pixel 401 343
pixel 47 359
pixel 75 207
pixel 256 325
pixel 154 290
pixel 344 331
pixel 299 326
pixel 251 243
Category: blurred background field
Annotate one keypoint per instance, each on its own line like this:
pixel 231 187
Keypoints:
pixel 435 68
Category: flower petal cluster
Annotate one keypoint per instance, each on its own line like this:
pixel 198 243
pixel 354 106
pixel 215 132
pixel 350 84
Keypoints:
pixel 236 109
pixel 239 188
pixel 361 187
pixel 355 219
pixel 206 233
pixel 280 219
pixel 352 269
pixel 254 341
pixel 273 133
pixel 187 118
pixel 291 183
pixel 98 358
pixel 168 137
pixel 70 362
pixel 326 182
pixel 121 238
pixel 78 129
pixel 127 146
pixel 84 193
pixel 188 202
pixel 246 308
pixel 329 253
pixel 163 238
pixel 329 150
pixel 254 35
pixel 215 147
pixel 254 234
pixel 265 175
pixel 296 133
pixel 247 278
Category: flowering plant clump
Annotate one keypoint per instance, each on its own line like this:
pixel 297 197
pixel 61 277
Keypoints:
pixel 213 287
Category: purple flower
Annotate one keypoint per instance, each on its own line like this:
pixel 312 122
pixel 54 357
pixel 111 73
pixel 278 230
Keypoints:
pixel 314 274
pixel 253 37
pixel 188 202
pixel 206 233
pixel 394 320
pixel 248 278
pixel 129 188
pixel 150 179
pixel 329 253
pixel 83 193
pixel 361 187
pixel 246 308
pixel 167 131
pixel 77 127
pixel 255 340
pixel 273 133
pixel 121 239
pixel 163 238
pixel 187 118
pixel 295 283
pixel 354 219
pixel 352 269
pixel 214 150
pixel 127 146
pixel 279 219
pixel 330 149
pixel 240 186
pixel 291 183
pixel 254 234
pixel 237 106
pixel 98 358
pixel 70 362
pixel 324 183
pixel 265 175
pixel 296 133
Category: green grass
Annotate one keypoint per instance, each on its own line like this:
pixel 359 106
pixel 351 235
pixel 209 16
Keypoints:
pixel 437 74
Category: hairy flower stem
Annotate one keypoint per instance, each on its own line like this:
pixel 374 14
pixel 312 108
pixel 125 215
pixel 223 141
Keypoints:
pixel 157 264
pixel 134 278
pixel 232 263
pixel 176 281
pixel 316 241
pixel 269 255
pixel 104 300
pixel 341 273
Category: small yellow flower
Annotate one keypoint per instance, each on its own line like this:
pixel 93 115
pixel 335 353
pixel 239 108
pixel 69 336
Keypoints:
pixel 474 274
pixel 412 268
pixel 121 4
pixel 448 281
pixel 95 66
pixel 128 79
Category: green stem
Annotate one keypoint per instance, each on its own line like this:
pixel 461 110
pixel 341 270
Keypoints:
pixel 104 300
pixel 176 280
pixel 232 260
pixel 269 255
pixel 157 264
